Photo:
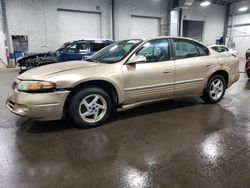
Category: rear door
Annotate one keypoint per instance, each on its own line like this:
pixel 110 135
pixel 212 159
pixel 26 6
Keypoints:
pixel 193 63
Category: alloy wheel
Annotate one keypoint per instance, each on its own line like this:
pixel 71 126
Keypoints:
pixel 92 108
pixel 216 89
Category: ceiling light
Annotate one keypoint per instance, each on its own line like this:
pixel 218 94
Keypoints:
pixel 243 9
pixel 205 3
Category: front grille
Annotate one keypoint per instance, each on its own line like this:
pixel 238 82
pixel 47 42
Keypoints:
pixel 11 104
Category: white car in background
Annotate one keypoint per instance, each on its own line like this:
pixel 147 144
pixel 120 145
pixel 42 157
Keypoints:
pixel 223 49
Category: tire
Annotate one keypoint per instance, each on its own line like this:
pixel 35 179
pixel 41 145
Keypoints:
pixel 85 112
pixel 214 94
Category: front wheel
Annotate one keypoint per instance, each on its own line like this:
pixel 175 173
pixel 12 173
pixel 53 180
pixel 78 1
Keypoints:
pixel 215 90
pixel 90 107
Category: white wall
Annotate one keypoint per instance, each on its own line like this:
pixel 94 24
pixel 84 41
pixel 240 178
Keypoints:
pixel 39 19
pixel 150 8
pixel 240 33
pixel 214 18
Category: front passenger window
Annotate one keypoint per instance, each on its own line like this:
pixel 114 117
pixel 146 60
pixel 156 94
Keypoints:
pixel 72 49
pixel 155 51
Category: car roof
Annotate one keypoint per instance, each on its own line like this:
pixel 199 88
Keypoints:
pixel 172 37
pixel 93 40
pixel 218 45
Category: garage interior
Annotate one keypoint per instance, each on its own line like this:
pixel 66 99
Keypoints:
pixel 175 143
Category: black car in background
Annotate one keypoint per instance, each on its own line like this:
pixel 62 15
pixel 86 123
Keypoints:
pixel 248 63
pixel 248 67
pixel 69 51
pixel 248 53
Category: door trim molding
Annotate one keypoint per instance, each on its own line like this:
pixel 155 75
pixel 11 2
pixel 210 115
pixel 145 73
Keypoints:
pixel 188 81
pixel 148 87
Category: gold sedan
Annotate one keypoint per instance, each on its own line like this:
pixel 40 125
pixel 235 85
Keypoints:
pixel 123 75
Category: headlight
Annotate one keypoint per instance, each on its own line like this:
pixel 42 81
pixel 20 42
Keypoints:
pixel 35 86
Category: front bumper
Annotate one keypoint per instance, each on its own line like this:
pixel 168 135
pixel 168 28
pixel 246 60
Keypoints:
pixel 38 106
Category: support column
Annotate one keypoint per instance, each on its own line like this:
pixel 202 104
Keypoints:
pixel 3 58
pixel 113 19
pixel 8 42
pixel 226 22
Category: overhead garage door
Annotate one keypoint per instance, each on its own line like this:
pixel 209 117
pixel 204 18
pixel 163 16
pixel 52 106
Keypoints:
pixel 143 27
pixel 75 25
pixel 240 33
pixel 241 37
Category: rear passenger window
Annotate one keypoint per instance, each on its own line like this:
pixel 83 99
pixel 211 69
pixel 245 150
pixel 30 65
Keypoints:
pixel 83 48
pixel 202 50
pixel 215 48
pixel 187 49
pixel 95 47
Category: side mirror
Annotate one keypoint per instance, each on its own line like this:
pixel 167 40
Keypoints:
pixel 137 59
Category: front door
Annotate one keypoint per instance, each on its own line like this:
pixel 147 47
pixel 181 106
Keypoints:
pixel 153 79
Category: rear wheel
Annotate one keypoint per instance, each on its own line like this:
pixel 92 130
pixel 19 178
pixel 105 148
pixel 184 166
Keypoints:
pixel 90 107
pixel 215 90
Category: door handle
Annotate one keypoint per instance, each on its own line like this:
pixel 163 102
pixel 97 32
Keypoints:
pixel 167 71
pixel 209 65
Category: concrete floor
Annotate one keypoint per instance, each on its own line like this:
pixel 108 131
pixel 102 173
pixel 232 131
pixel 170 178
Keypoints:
pixel 182 143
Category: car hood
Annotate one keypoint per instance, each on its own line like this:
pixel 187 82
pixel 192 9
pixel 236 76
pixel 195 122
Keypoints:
pixel 34 55
pixel 47 70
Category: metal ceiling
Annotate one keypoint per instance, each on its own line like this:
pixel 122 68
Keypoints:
pixel 220 2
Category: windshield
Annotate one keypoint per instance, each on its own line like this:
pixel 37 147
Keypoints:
pixel 115 52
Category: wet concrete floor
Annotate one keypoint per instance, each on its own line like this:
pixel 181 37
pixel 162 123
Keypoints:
pixel 178 143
